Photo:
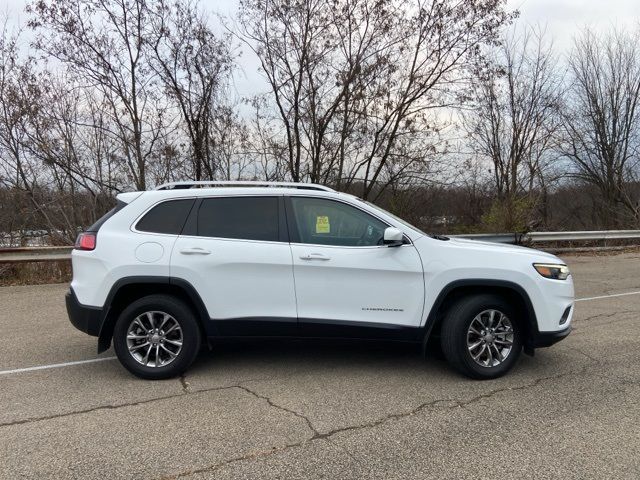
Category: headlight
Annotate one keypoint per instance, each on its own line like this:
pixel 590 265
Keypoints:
pixel 554 271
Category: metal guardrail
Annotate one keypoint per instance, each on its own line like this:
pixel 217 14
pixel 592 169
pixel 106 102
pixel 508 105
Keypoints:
pixel 512 238
pixel 538 237
pixel 34 254
pixel 50 254
pixel 582 236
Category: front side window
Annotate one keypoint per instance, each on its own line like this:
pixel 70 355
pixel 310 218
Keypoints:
pixel 166 217
pixel 245 218
pixel 327 222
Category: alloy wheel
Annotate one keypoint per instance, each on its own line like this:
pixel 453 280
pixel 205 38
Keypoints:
pixel 490 338
pixel 154 339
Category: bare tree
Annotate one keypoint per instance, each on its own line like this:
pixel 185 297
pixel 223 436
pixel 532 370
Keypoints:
pixel 20 94
pixel 354 82
pixel 194 66
pixel 17 84
pixel 97 113
pixel 68 138
pixel 515 115
pixel 102 42
pixel 513 122
pixel 602 125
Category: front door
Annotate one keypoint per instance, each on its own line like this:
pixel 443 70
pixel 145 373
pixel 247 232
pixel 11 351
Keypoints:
pixel 347 282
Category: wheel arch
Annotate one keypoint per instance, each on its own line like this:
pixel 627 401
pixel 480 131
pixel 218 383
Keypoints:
pixel 129 289
pixel 513 292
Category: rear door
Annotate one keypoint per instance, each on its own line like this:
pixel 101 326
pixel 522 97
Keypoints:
pixel 347 282
pixel 234 250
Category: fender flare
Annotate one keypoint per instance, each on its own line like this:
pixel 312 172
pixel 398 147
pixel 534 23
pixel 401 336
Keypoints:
pixel 109 316
pixel 532 323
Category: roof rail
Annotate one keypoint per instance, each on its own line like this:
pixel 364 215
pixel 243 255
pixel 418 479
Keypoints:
pixel 215 183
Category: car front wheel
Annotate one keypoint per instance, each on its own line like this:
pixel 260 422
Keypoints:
pixel 481 336
pixel 156 337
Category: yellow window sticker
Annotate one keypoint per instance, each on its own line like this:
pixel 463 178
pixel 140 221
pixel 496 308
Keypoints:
pixel 322 224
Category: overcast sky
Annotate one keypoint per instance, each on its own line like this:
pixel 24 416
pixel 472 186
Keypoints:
pixel 562 18
pixel 565 18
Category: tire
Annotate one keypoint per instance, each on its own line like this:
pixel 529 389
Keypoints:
pixel 169 353
pixel 460 342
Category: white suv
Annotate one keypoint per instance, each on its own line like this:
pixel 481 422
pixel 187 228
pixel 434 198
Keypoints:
pixel 168 268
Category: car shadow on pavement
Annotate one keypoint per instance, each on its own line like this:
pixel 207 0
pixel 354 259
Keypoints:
pixel 256 358
pixel 282 355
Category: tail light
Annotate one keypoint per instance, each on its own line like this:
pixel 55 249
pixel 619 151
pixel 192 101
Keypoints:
pixel 86 241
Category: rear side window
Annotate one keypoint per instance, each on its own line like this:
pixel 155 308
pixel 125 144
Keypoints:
pixel 246 218
pixel 167 217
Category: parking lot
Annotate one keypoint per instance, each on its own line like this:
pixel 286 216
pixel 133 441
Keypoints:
pixel 326 410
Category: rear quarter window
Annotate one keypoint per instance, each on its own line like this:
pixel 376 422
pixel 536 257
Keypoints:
pixel 96 226
pixel 167 217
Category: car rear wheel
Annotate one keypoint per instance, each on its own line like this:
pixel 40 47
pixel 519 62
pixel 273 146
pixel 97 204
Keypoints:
pixel 481 336
pixel 156 337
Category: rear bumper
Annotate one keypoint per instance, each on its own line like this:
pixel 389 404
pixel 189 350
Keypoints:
pixel 546 339
pixel 86 319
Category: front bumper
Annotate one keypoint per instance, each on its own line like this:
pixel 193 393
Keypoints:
pixel 86 319
pixel 546 339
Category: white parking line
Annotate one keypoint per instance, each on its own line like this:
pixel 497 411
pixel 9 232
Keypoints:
pixel 55 365
pixel 104 359
pixel 607 296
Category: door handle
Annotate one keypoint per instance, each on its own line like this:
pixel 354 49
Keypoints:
pixel 314 256
pixel 195 251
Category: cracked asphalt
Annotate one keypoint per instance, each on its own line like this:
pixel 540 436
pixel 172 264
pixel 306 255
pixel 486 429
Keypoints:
pixel 326 409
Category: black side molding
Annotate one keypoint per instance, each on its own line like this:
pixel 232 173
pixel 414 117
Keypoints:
pixel 320 328
pixel 255 327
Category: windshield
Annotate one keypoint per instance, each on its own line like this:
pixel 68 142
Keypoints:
pixel 396 218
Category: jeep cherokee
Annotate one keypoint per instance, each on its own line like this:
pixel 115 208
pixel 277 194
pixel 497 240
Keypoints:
pixel 169 268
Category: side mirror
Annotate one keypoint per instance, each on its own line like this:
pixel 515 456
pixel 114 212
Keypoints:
pixel 393 237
